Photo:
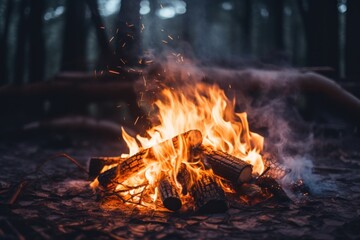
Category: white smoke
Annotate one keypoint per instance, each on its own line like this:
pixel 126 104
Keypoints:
pixel 263 94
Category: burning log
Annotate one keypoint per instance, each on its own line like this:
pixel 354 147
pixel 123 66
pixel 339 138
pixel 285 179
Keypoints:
pixel 208 195
pixel 98 163
pixel 135 163
pixel 169 195
pixel 123 170
pixel 228 166
pixel 183 177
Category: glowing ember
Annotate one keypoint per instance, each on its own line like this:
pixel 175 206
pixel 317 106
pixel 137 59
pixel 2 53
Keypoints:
pixel 170 146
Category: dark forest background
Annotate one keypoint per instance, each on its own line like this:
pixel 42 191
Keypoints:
pixel 40 38
pixel 44 40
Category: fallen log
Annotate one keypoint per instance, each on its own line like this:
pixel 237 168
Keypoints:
pixel 208 195
pixel 227 166
pixel 135 163
pixel 96 164
pixel 169 195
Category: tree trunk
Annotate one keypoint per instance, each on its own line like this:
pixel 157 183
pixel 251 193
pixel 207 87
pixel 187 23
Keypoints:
pixel 106 56
pixel 74 45
pixel 352 41
pixel 3 43
pixel 129 32
pixel 322 34
pixel 37 43
pixel 22 29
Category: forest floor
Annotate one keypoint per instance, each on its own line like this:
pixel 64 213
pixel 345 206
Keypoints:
pixel 57 202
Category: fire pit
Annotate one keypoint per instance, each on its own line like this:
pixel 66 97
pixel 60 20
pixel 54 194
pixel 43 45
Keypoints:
pixel 198 153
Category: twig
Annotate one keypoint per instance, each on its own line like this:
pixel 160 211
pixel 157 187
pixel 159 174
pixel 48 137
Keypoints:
pixel 19 189
pixel 17 233
pixel 64 155
pixel 264 172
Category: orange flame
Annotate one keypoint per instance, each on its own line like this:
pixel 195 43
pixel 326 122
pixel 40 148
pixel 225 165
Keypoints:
pixel 199 106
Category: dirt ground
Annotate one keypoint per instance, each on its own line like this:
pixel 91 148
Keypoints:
pixel 57 202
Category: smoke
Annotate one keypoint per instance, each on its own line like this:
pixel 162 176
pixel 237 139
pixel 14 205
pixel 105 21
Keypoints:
pixel 263 94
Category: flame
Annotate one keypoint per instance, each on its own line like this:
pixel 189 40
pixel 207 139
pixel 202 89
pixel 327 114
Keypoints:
pixel 199 106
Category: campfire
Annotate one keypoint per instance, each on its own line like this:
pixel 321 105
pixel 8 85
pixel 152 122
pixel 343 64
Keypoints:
pixel 199 154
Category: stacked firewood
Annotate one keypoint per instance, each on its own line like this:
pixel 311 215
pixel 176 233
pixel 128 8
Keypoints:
pixel 205 190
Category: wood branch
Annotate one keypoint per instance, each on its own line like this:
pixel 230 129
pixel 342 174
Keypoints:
pixel 208 195
pixel 96 164
pixel 227 166
pixel 169 195
pixel 135 163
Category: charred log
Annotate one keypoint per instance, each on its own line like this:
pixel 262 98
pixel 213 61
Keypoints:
pixel 208 195
pixel 271 186
pixel 251 193
pixel 135 163
pixel 169 195
pixel 98 163
pixel 227 166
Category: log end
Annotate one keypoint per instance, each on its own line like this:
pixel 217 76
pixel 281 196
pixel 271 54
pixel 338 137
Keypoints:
pixel 172 203
pixel 194 138
pixel 245 174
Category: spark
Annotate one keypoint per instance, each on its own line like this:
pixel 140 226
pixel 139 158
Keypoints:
pixel 164 41
pixel 123 44
pixel 136 121
pixel 111 39
pixel 144 80
pixel 122 61
pixel 170 37
pixel 114 72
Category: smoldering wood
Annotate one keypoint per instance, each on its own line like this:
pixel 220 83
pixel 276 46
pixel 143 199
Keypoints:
pixel 96 164
pixel 208 195
pixel 251 193
pixel 169 194
pixel 135 163
pixel 183 177
pixel 271 186
pixel 250 190
pixel 227 166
